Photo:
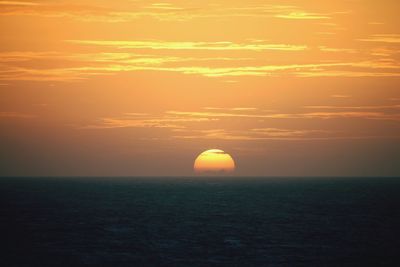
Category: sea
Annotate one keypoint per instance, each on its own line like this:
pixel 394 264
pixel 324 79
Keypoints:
pixel 199 221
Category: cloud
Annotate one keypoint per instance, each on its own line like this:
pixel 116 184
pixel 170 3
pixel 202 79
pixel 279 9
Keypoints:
pixel 263 70
pixel 214 114
pixel 13 114
pixel 107 57
pixel 348 74
pixel 167 45
pixel 83 66
pixel 107 123
pixel 326 33
pixel 300 115
pixel 332 49
pixel 376 23
pixel 278 132
pixel 340 96
pixel 79 66
pixel 232 109
pixel 159 11
pixel 238 136
pixel 355 107
pixel 18 3
pixel 301 15
pixel 255 124
pixel 144 120
pixel 335 115
pixel 274 134
pixel 20 56
pixel 249 135
pixel 60 9
pixel 382 38
pixel 383 52
pixel 163 6
pixel 61 74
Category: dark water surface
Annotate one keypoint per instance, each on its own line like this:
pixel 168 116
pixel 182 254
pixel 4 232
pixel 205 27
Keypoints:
pixel 200 221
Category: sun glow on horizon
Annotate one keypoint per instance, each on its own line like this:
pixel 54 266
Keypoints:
pixel 214 161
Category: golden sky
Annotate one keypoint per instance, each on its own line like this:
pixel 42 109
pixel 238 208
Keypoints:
pixel 134 87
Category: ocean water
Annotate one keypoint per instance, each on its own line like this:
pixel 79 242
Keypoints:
pixel 200 221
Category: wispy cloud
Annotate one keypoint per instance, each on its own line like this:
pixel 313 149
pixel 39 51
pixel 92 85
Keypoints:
pixel 61 9
pixel 283 135
pixel 61 74
pixel 278 132
pixel 356 107
pixel 299 115
pixel 143 120
pixel 95 64
pixel 382 38
pixel 18 3
pixel 107 57
pixel 214 114
pixel 163 6
pixel 340 96
pixel 166 45
pixel 299 15
pixel 19 56
pixel 348 74
pixel 255 124
pixel 333 49
pixel 257 134
pixel 232 109
pixel 159 11
pixel 263 70
pixel 13 114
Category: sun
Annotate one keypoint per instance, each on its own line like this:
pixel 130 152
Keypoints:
pixel 214 161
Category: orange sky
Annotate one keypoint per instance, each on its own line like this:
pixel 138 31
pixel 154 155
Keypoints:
pixel 142 87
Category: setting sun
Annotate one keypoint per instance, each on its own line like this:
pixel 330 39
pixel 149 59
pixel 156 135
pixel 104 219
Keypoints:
pixel 214 161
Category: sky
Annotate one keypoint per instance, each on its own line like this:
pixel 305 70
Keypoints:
pixel 141 88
